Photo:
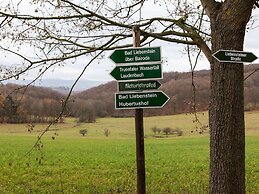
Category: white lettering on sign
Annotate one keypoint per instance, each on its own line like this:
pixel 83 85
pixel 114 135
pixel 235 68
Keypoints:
pixel 232 54
pixel 146 58
pixel 123 96
pixel 141 52
pixel 129 59
pixel 142 68
pixel 128 69
pixel 128 52
pixel 148 68
pixel 132 75
pixel 235 58
pixel 130 104
pixel 140 85
pixel 142 96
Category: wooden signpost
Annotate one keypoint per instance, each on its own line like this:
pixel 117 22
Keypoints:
pixel 136 70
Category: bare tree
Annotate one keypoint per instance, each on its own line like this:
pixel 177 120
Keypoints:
pixel 11 110
pixel 83 131
pixel 61 31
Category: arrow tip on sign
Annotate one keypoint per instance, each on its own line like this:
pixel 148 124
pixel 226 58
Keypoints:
pixel 166 98
pixel 112 56
pixel 158 84
pixel 233 56
pixel 253 57
pixel 114 73
pixel 216 55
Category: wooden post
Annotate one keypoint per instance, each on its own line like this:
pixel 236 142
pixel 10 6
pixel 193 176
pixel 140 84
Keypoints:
pixel 139 128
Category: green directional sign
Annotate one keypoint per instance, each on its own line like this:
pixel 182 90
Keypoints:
pixel 138 85
pixel 137 72
pixel 152 99
pixel 234 56
pixel 137 55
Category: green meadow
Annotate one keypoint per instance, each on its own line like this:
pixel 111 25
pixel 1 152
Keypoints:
pixel 68 162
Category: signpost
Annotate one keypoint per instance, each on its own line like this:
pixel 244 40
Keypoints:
pixel 136 55
pixel 139 130
pixel 234 56
pixel 153 99
pixel 138 64
pixel 138 85
pixel 137 72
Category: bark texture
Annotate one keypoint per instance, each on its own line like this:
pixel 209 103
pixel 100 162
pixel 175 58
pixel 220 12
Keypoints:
pixel 226 112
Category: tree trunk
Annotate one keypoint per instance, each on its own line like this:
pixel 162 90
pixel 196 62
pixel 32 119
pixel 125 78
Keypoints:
pixel 227 135
pixel 226 111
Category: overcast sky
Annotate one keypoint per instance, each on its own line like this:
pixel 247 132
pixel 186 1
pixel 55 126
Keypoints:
pixel 172 53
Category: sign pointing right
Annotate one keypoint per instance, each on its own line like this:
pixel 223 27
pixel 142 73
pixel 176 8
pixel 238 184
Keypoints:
pixel 234 56
pixel 133 100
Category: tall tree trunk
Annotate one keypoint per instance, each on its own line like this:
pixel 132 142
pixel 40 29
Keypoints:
pixel 226 112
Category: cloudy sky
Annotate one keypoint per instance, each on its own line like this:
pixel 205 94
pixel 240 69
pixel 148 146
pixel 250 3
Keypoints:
pixel 173 54
pixel 176 59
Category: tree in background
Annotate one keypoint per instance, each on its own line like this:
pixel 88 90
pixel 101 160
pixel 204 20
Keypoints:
pixel 10 110
pixel 83 131
pixel 60 32
pixel 84 111
pixel 33 105
pixel 2 98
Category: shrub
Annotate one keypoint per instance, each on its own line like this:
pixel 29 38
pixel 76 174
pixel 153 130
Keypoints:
pixel 178 132
pixel 167 130
pixel 83 131
pixel 106 132
pixel 156 130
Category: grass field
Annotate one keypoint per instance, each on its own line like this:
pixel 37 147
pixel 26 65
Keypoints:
pixel 72 163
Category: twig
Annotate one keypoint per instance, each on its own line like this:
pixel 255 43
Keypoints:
pixel 64 104
pixel 251 74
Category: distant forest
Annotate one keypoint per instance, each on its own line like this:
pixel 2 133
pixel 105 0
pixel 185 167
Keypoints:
pixel 41 105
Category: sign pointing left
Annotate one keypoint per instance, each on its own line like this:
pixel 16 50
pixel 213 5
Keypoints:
pixel 137 72
pixel 231 56
pixel 138 85
pixel 136 55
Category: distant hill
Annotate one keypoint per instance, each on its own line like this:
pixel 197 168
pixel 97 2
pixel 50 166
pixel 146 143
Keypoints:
pixel 31 104
pixel 178 86
pixel 42 103
pixel 60 85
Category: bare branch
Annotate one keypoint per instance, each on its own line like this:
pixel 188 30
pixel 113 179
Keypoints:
pixel 256 70
pixel 65 102
pixel 30 17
